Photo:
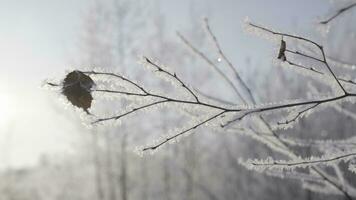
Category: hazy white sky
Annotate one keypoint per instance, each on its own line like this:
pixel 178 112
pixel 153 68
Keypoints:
pixel 34 39
pixel 38 36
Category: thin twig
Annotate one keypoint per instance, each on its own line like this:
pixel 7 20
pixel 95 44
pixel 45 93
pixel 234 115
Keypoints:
pixel 298 115
pixel 341 62
pixel 183 132
pixel 285 34
pixel 339 12
pixel 217 99
pixel 306 40
pixel 174 76
pixel 313 70
pixel 229 63
pixel 211 63
pixel 287 105
pixel 317 170
pixel 307 162
pixel 320 172
pixel 117 76
pixel 53 84
pixel 119 92
pixel 129 112
pixel 333 74
pixel 305 55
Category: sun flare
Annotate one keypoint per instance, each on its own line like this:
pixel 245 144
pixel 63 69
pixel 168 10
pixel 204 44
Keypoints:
pixel 7 109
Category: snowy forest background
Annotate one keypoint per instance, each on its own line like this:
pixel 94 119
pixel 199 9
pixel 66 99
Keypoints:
pixel 104 162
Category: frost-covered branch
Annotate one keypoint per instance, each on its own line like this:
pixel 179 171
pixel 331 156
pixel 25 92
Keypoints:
pixel 259 126
pixel 320 47
pixel 247 112
pixel 298 114
pixel 278 142
pixel 183 132
pixel 163 99
pixel 119 77
pixel 211 63
pixel 131 111
pixel 228 62
pixel 305 162
pixel 159 69
pixel 313 70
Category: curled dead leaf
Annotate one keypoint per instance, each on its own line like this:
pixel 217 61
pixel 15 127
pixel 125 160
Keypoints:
pixel 77 88
pixel 282 50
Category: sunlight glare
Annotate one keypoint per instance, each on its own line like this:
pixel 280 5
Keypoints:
pixel 6 110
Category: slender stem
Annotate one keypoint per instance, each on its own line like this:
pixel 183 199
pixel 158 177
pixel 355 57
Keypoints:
pixel 307 162
pixel 129 112
pixel 313 70
pixel 119 77
pixel 339 12
pixel 287 105
pixel 174 76
pixel 119 92
pixel 285 34
pixel 229 63
pixel 298 115
pixel 183 132
pixel 332 73
pixel 305 55
pixel 306 40
pixel 211 63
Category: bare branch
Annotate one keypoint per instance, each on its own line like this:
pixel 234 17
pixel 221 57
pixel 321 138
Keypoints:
pixel 298 115
pixel 211 63
pixel 53 84
pixel 129 112
pixel 341 62
pixel 217 99
pixel 119 77
pixel 313 70
pixel 229 63
pixel 285 34
pixel 172 75
pixel 183 132
pixel 332 73
pixel 305 55
pixel 287 105
pixel 339 12
pixel 271 138
pixel 307 162
pixel 306 40
pixel 318 171
pixel 119 92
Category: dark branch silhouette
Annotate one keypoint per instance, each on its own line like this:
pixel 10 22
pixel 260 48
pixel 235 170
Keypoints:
pixel 339 12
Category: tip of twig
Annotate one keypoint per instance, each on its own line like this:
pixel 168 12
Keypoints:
pixel 178 34
pixel 52 84
pixel 205 19
pixel 147 60
pixel 95 122
pixel 149 148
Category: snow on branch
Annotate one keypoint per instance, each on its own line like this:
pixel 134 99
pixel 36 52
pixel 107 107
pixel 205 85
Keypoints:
pixel 320 47
pixel 174 75
pixel 301 162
